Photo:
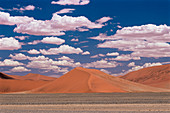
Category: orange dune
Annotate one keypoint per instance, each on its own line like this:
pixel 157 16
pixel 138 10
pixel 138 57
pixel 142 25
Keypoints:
pixel 5 76
pixel 14 83
pixel 32 76
pixel 157 76
pixel 29 76
pixel 81 80
pixel 9 85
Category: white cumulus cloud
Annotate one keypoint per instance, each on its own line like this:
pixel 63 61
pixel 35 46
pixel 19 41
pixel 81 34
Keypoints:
pixel 52 65
pixel 19 69
pixel 21 37
pixel 65 58
pixel 112 54
pixel 56 26
pixel 105 71
pixel 132 64
pixel 97 56
pixel 9 44
pixel 134 68
pixel 21 9
pixel 104 19
pixel 75 40
pixel 39 58
pixel 124 57
pixel 18 56
pixel 53 40
pixel 29 7
pixel 86 53
pixel 144 41
pixel 66 10
pixel 33 51
pixel 6 19
pixel 71 2
pixel 102 37
pixel 64 49
pixel 10 62
pixel 101 64
pixel 34 42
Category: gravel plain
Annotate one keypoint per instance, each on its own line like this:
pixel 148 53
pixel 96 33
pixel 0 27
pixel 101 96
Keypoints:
pixel 86 103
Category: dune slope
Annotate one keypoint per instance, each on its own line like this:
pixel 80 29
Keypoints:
pixel 157 76
pixel 33 76
pixel 5 76
pixel 8 86
pixel 14 83
pixel 81 80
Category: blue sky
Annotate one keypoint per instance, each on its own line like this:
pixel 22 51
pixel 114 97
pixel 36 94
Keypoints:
pixel 53 37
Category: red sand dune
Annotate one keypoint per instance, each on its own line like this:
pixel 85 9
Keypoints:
pixel 14 83
pixel 8 85
pixel 157 76
pixel 81 80
pixel 5 76
pixel 32 76
pixel 29 76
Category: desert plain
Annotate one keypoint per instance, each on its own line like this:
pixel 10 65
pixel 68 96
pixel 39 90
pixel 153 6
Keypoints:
pixel 86 103
pixel 87 90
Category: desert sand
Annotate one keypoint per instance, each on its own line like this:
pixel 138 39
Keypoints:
pixel 82 80
pixel 14 83
pixel 29 76
pixel 79 91
pixel 85 103
pixel 9 86
pixel 157 76
pixel 81 108
pixel 32 76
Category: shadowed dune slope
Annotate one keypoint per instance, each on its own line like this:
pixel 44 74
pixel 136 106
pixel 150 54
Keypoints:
pixel 157 76
pixel 5 76
pixel 81 80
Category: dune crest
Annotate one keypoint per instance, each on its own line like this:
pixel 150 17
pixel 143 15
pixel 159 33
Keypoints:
pixel 33 76
pixel 5 76
pixel 82 80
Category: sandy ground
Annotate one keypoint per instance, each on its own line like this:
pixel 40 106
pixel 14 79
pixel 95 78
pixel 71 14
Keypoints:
pixel 84 98
pixel 86 103
pixel 95 108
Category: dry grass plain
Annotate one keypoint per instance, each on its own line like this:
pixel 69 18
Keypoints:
pixel 85 103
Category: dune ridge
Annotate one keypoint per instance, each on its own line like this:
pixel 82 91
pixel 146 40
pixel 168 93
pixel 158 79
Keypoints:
pixel 9 86
pixel 78 80
pixel 156 76
pixel 81 80
pixel 4 76
pixel 14 83
pixel 33 76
